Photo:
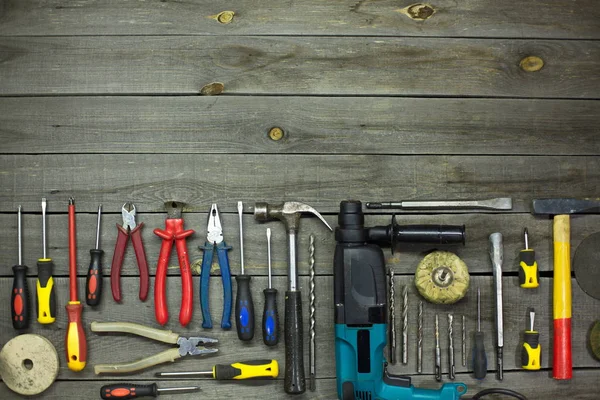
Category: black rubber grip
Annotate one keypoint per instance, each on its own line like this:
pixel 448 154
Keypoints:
pixel 270 321
pixel 127 391
pixel 93 283
pixel 479 357
pixel 244 309
pixel 294 382
pixel 19 301
pixel 225 372
pixel 45 269
pixel 527 257
pixel 533 340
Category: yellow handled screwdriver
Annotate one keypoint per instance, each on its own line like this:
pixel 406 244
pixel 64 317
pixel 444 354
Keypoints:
pixel 46 298
pixel 236 371
pixel 531 352
pixel 528 271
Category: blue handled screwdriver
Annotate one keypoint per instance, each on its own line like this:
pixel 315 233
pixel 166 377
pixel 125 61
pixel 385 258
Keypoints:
pixel 270 324
pixel 244 307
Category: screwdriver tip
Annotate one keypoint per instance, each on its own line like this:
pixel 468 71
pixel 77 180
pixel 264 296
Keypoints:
pixel 71 201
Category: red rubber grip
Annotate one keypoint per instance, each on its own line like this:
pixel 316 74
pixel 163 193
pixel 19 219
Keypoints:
pixel 117 263
pixel 160 290
pixel 187 308
pixel 140 255
pixel 562 367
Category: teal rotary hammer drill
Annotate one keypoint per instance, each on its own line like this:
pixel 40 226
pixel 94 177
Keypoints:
pixel 361 305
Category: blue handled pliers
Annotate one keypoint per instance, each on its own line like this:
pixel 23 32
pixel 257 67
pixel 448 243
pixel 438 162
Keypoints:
pixel 214 238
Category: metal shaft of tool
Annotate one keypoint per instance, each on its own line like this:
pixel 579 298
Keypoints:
pixel 181 389
pixel 44 226
pixel 496 255
pixel 420 338
pixel 405 325
pixel 98 227
pixel 392 316
pixel 451 366
pixel 501 203
pixel 269 254
pixel 19 235
pixel 438 354
pixel 464 342
pixel 240 207
pixel 531 319
pixel 526 237
pixel 478 309
pixel 311 306
pixel 184 373
pixel 292 264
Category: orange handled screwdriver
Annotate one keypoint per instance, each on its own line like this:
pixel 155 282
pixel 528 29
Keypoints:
pixel 75 343
pixel 125 391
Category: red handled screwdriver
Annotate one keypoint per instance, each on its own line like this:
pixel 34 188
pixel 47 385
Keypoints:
pixel 19 301
pixel 130 391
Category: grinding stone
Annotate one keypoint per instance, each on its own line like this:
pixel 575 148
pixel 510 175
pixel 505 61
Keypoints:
pixel 432 288
pixel 25 351
pixel 595 340
pixel 586 265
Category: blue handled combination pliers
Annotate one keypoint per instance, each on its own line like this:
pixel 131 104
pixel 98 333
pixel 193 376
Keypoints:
pixel 214 238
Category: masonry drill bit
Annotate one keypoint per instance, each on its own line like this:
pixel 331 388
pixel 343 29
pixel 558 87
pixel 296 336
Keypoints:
pixel 420 338
pixel 405 325
pixel 392 321
pixel 464 342
pixel 438 355
pixel 311 346
pixel 451 367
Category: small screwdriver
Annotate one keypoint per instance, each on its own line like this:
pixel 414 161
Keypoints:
pixel 46 298
pixel 479 357
pixel 19 301
pixel 528 271
pixel 270 322
pixel 125 391
pixel 236 371
pixel 93 283
pixel 532 350
pixel 244 307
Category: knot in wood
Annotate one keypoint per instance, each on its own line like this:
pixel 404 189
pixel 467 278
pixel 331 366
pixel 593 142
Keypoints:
pixel 418 11
pixel 212 89
pixel 276 133
pixel 531 64
pixel 225 17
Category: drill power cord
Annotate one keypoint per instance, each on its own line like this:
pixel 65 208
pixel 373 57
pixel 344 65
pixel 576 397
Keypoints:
pixel 506 392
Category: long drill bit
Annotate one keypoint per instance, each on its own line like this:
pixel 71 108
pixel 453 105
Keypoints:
pixel 392 320
pixel 311 346
pixel 405 325
pixel 451 367
pixel 420 338
pixel 464 342
pixel 438 355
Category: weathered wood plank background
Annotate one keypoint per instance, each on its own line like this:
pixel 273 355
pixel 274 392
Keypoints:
pixel 382 100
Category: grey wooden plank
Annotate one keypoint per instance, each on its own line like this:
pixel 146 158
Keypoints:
pixel 471 18
pixel 404 261
pixel 298 65
pixel 321 181
pixel 312 125
pixel 122 348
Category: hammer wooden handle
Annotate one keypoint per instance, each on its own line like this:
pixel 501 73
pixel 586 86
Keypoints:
pixel 562 361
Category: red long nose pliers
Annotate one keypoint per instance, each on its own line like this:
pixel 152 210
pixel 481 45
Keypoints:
pixel 129 228
pixel 173 232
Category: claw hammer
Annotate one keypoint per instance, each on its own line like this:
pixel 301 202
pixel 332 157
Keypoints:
pixel 289 213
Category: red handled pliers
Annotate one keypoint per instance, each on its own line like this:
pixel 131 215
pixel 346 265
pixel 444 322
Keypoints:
pixel 173 232
pixel 129 228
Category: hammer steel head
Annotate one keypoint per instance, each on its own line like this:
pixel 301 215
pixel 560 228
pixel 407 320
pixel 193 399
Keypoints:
pixel 288 212
pixel 566 206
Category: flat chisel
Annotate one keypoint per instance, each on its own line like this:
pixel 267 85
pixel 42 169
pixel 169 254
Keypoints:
pixel 500 203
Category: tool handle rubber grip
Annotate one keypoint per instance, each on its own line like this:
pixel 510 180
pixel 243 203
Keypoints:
pixel 160 290
pixel 270 321
pixel 76 344
pixel 46 296
pixel 117 262
pixel 140 256
pixel 562 368
pixel 529 275
pixel 479 357
pixel 187 290
pixel 244 309
pixel 222 250
pixel 93 282
pixel 20 306
pixel 246 370
pixel 294 380
pixel 531 351
pixel 125 391
pixel 205 284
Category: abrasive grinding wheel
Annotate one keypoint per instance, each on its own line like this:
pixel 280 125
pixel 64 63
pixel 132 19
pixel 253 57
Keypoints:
pixel 28 364
pixel 442 277
pixel 594 340
pixel 586 265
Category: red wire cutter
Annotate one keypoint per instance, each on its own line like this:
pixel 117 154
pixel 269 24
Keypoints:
pixel 173 232
pixel 129 228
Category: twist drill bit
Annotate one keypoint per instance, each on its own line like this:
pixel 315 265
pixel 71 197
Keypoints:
pixel 464 342
pixel 311 346
pixel 420 338
pixel 405 325
pixel 392 312
pixel 450 348
pixel 438 355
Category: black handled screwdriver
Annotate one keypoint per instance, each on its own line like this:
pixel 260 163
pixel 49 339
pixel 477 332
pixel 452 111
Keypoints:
pixel 19 300
pixel 125 391
pixel 270 322
pixel 93 283
pixel 244 307
pixel 479 357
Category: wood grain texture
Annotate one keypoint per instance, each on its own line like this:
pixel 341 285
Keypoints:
pixel 321 181
pixel 297 65
pixel 469 18
pixel 312 125
pixel 404 261
pixel 116 348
